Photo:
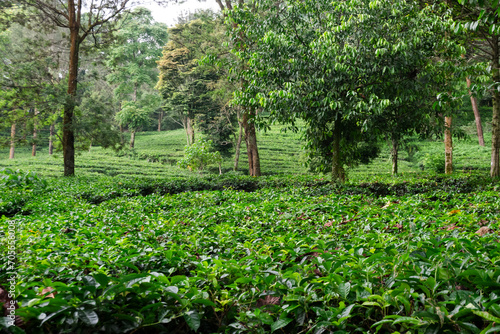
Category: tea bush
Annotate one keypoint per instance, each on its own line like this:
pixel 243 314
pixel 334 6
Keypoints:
pixel 245 255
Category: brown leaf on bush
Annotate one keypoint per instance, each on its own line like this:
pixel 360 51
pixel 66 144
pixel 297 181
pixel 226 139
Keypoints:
pixel 268 300
pixel 46 290
pixel 483 230
pixel 451 227
pixel 483 222
pixel 328 224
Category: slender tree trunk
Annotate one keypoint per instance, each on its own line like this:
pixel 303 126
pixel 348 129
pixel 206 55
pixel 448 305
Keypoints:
pixel 132 138
pixel 190 131
pixel 250 135
pixel 68 140
pixel 160 119
pixel 448 146
pixel 477 115
pixel 394 154
pixel 338 173
pixel 251 142
pixel 51 139
pixel 495 121
pixel 12 141
pixel 33 150
pixel 238 142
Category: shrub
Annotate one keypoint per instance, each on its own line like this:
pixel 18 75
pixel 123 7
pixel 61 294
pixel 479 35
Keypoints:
pixel 433 162
pixel 19 179
pixel 199 155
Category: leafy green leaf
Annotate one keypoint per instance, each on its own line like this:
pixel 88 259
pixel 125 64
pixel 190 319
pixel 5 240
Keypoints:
pixel 192 319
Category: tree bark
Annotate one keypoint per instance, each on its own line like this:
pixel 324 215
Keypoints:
pixel 132 138
pixel 477 115
pixel 251 142
pixel 190 130
pixel 338 173
pixel 495 121
pixel 448 146
pixel 12 140
pixel 250 135
pixel 35 134
pixel 394 154
pixel 68 140
pixel 51 139
pixel 238 142
pixel 160 119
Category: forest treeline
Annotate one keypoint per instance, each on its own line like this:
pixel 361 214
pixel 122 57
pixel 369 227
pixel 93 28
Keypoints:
pixel 354 74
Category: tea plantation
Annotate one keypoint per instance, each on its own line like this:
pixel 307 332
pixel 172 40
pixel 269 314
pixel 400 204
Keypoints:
pixel 140 247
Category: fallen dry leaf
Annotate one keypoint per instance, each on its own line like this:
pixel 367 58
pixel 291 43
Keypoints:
pixel 483 230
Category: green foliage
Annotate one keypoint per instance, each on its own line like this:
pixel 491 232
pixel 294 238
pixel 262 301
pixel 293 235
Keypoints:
pixel 191 89
pixel 433 162
pixel 352 70
pixel 199 155
pixel 19 179
pixel 132 60
pixel 285 257
pixel 136 114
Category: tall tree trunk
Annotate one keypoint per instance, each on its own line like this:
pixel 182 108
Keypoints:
pixel 68 140
pixel 250 135
pixel 495 121
pixel 448 146
pixel 338 173
pixel 132 138
pixel 190 130
pixel 33 150
pixel 51 139
pixel 238 143
pixel 394 154
pixel 160 119
pixel 477 115
pixel 12 141
pixel 251 142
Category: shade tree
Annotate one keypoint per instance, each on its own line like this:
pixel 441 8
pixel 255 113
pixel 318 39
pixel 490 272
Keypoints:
pixel 82 21
pixel 337 66
pixel 189 87
pixel 482 18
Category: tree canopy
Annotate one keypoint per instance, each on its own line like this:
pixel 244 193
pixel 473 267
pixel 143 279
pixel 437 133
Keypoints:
pixel 340 65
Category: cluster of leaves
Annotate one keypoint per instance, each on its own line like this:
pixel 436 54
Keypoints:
pixel 199 155
pixel 18 179
pixel 292 259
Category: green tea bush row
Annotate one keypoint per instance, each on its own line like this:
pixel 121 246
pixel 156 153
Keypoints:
pixel 290 259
